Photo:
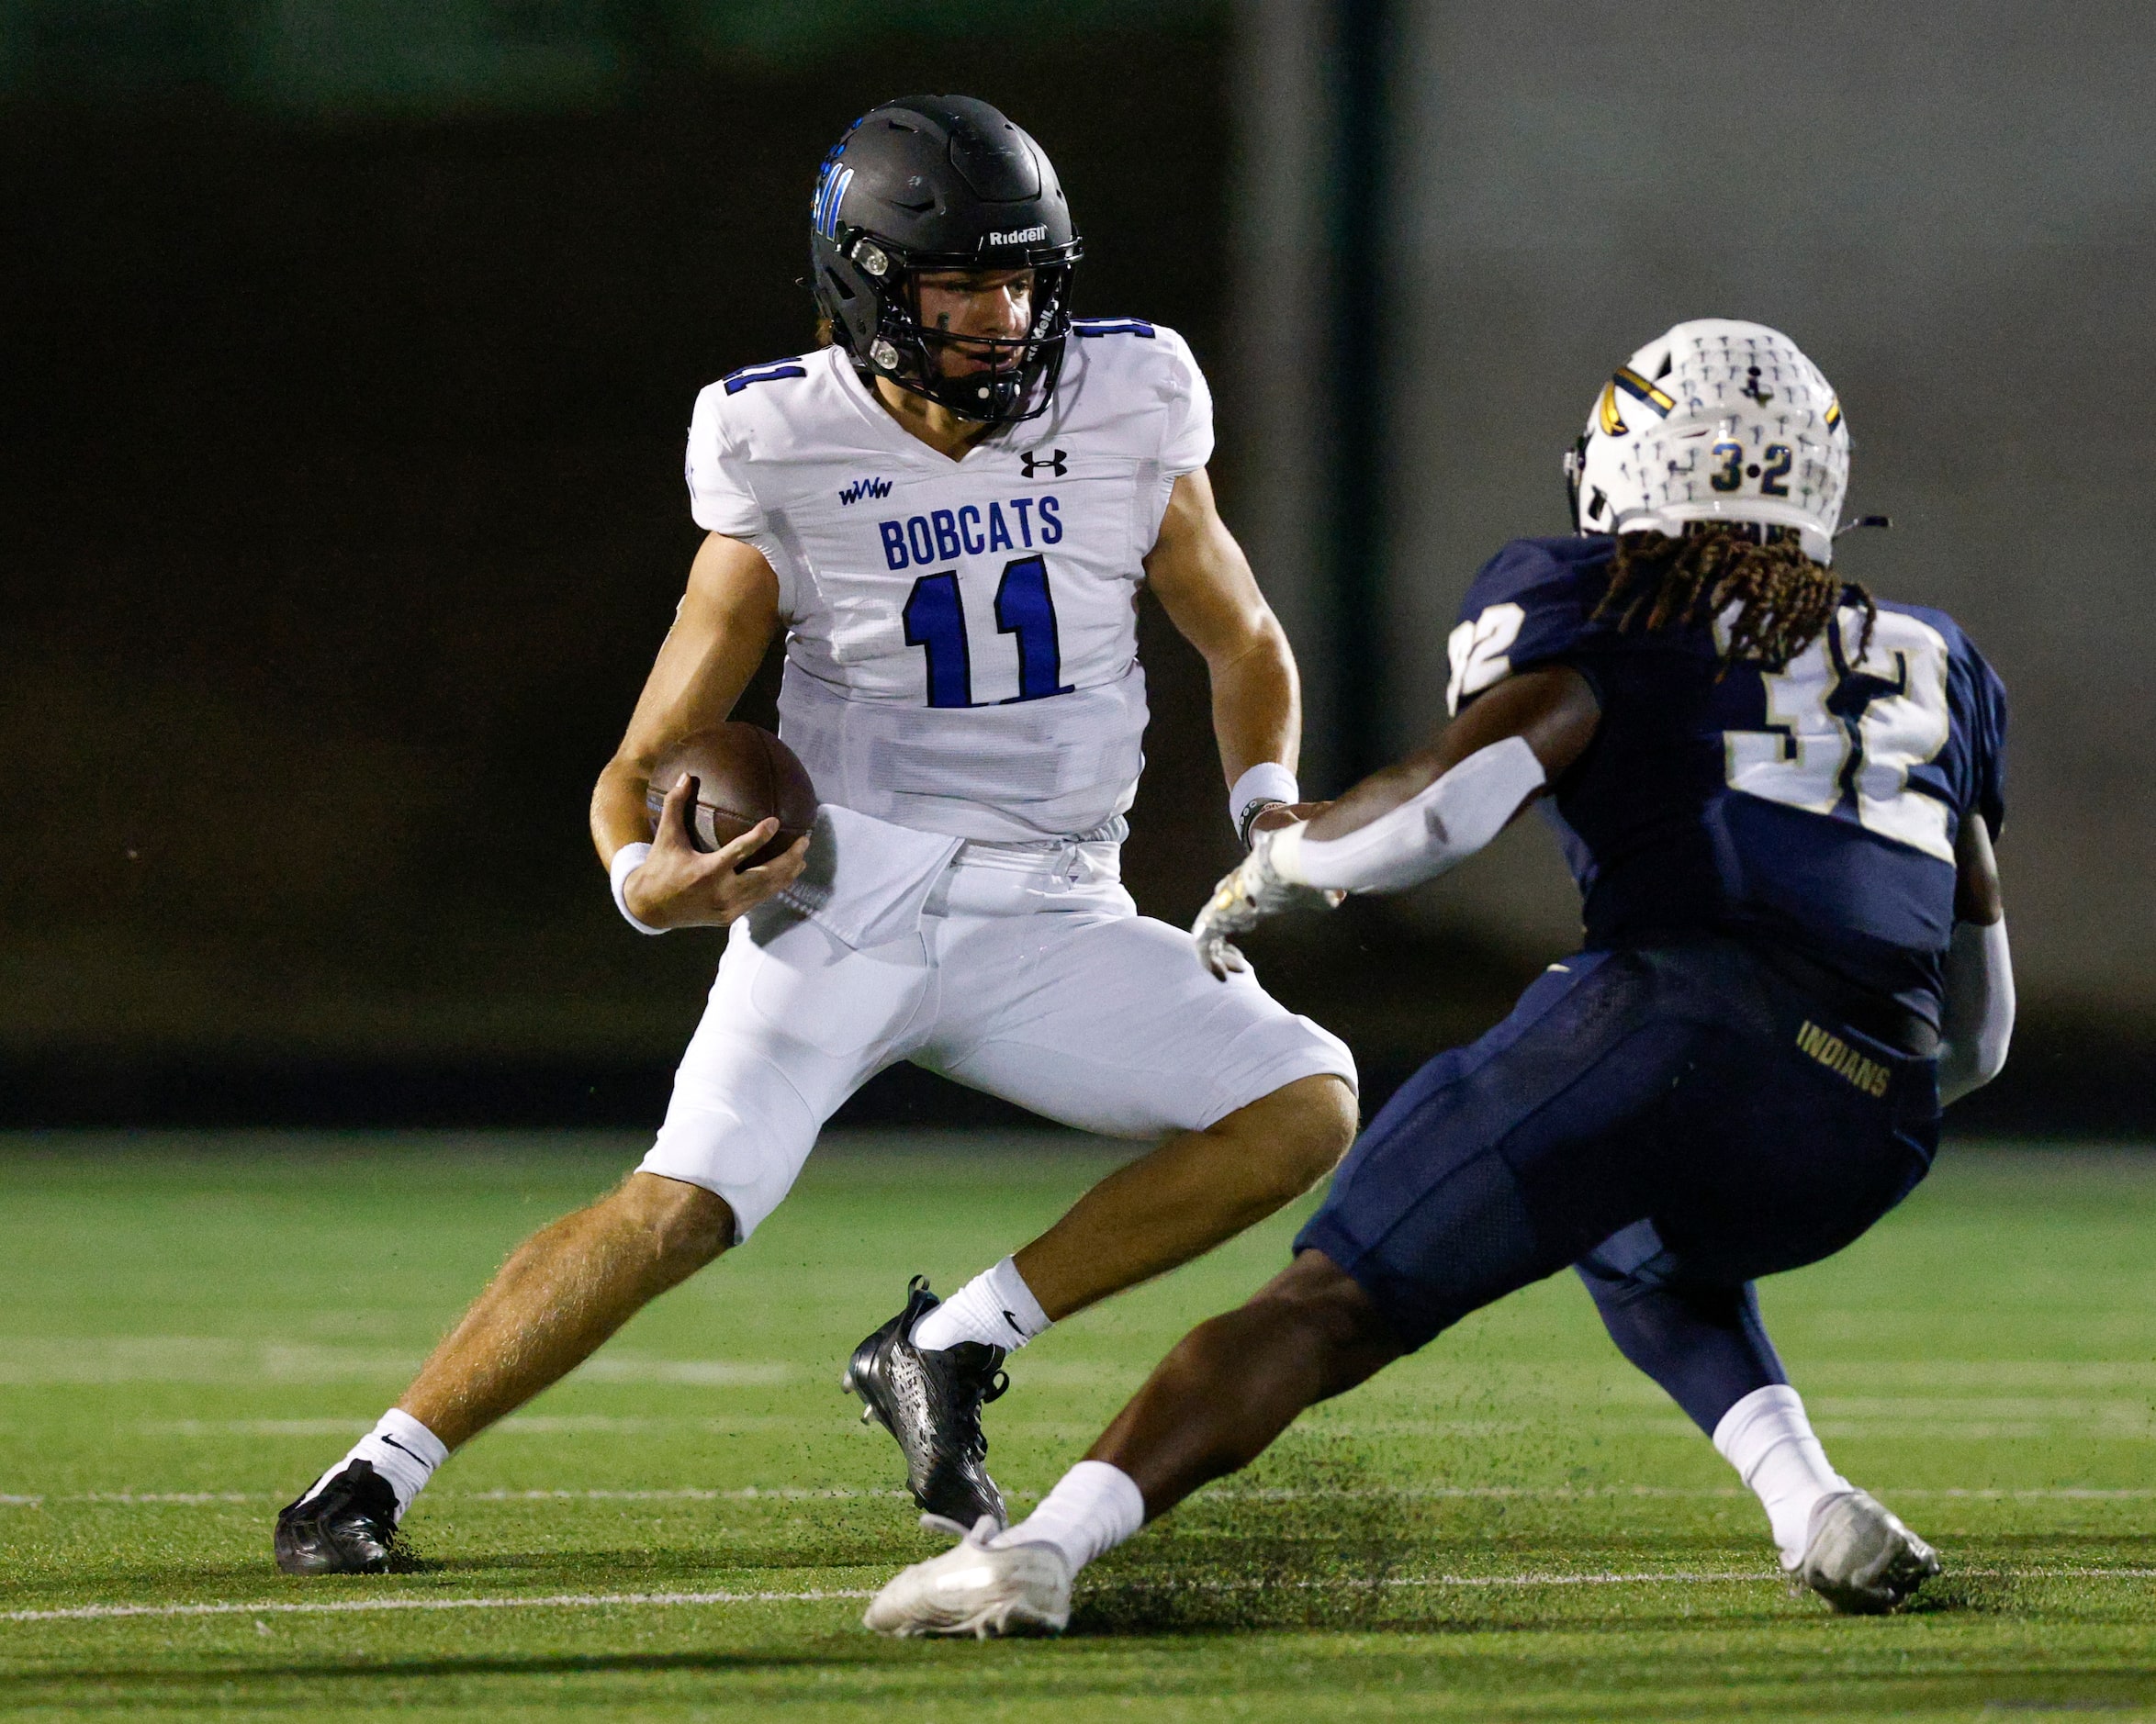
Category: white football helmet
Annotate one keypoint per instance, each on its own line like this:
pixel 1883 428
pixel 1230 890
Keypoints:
pixel 1716 420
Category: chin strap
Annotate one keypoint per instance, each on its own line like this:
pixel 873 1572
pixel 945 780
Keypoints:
pixel 1881 522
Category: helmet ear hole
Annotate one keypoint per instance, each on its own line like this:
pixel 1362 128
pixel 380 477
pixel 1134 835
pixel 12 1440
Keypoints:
pixel 838 284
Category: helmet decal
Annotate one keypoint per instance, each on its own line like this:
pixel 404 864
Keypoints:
pixel 830 193
pixel 1641 390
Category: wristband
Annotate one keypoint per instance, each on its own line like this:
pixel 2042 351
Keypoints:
pixel 1267 785
pixel 627 860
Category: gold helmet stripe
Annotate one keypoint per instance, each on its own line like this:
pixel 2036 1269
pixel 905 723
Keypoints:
pixel 1634 385
pixel 1606 410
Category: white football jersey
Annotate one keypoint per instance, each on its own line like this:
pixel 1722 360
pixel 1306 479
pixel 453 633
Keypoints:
pixel 961 647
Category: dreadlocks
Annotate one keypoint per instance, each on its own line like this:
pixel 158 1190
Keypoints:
pixel 1784 599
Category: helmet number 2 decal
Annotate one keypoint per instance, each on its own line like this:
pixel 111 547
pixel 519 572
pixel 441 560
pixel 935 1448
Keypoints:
pixel 935 618
pixel 1773 477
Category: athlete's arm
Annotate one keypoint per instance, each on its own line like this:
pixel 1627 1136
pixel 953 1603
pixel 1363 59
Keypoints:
pixel 725 622
pixel 1203 582
pixel 1411 821
pixel 1978 1015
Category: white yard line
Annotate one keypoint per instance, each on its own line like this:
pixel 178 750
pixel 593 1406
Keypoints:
pixel 591 1601
pixel 1257 1494
pixel 746 1494
pixel 554 1601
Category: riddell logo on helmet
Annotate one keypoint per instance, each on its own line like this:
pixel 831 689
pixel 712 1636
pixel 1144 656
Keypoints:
pixel 1020 236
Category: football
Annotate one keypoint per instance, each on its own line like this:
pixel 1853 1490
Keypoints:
pixel 744 773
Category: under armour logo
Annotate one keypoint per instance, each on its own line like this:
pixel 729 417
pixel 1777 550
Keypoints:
pixel 1753 389
pixel 1053 462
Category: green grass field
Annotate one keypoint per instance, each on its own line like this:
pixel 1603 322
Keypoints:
pixel 1512 1525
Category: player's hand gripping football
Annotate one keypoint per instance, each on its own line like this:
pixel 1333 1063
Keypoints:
pixel 1245 898
pixel 679 886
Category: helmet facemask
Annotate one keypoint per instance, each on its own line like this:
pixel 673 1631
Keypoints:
pixel 993 379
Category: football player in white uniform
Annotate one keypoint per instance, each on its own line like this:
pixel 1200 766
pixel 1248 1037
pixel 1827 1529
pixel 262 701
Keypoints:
pixel 949 510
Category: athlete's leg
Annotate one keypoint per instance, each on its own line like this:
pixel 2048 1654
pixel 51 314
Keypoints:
pixel 796 1022
pixel 1107 1021
pixel 752 1091
pixel 1567 1124
pixel 1707 1348
pixel 562 1293
pixel 1700 1336
pixel 1490 1169
pixel 1703 1344
pixel 1212 1406
pixel 1104 1020
pixel 1234 1383
pixel 1195 1191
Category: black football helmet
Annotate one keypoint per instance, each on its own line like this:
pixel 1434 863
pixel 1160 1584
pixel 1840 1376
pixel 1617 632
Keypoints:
pixel 942 182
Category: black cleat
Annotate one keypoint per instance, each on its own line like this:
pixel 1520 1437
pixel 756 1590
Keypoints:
pixel 349 1526
pixel 931 1402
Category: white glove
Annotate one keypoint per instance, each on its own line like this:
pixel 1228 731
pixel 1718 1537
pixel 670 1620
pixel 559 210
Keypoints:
pixel 1245 898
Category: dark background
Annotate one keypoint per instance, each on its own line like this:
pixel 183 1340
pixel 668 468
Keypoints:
pixel 342 513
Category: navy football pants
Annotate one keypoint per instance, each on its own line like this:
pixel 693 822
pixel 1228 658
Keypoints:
pixel 1675 1121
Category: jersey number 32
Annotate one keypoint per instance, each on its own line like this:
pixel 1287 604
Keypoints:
pixel 1841 739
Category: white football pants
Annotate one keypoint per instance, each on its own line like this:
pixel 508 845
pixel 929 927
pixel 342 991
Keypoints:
pixel 1030 976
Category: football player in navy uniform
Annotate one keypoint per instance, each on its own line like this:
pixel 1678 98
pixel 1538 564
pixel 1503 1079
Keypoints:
pixel 1778 796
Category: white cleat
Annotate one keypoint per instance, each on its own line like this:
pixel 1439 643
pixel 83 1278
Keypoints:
pixel 978 1587
pixel 1860 1558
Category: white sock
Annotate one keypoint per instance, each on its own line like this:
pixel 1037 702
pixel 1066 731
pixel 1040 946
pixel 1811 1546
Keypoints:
pixel 1093 1507
pixel 1769 1440
pixel 995 1308
pixel 401 1450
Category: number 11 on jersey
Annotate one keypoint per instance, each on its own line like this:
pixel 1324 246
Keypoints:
pixel 936 622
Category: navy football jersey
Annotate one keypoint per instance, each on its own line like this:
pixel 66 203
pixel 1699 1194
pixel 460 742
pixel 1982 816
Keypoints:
pixel 1815 807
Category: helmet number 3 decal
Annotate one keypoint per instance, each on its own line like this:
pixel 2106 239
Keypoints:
pixel 1772 470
